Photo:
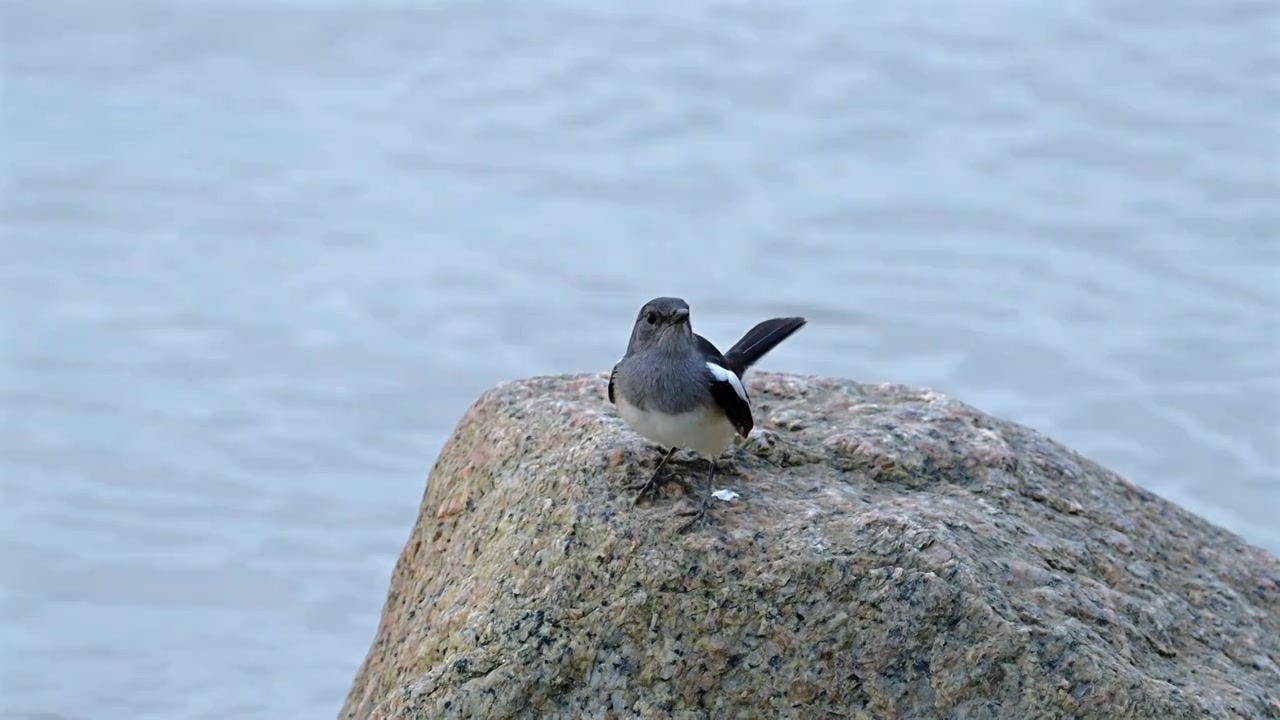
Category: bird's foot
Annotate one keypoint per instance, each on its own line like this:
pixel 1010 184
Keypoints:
pixel 650 487
pixel 695 516
pixel 700 513
pixel 645 488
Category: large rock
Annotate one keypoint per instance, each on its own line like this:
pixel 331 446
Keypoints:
pixel 893 554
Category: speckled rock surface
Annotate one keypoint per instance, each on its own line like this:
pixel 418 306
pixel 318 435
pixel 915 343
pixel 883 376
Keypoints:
pixel 893 554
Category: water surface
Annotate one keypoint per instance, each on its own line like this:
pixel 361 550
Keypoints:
pixel 259 258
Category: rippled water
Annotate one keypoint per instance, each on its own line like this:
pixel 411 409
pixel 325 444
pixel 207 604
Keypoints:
pixel 259 258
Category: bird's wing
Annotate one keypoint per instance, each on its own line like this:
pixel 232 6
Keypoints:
pixel 613 374
pixel 730 394
pixel 709 351
pixel 726 387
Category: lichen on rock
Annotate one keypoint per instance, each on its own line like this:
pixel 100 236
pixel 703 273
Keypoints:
pixel 892 553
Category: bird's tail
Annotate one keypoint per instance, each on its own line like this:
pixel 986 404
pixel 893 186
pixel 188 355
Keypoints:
pixel 759 340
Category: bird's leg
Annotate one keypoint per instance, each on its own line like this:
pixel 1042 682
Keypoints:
pixel 701 511
pixel 648 487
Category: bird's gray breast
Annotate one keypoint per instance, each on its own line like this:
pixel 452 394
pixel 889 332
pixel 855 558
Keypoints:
pixel 658 381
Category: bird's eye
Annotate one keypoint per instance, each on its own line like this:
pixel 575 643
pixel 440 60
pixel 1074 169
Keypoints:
pixel 652 317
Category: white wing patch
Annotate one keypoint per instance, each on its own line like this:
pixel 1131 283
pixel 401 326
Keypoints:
pixel 724 375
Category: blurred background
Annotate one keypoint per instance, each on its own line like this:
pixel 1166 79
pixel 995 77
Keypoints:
pixel 258 258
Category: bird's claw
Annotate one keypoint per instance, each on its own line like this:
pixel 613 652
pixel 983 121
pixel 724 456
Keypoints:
pixel 645 488
pixel 695 515
pixel 651 487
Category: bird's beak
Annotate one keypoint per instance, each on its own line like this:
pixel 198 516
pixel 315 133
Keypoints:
pixel 681 315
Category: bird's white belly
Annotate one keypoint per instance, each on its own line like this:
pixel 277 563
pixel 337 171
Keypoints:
pixel 706 430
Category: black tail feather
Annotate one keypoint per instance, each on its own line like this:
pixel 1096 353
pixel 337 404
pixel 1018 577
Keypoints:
pixel 759 340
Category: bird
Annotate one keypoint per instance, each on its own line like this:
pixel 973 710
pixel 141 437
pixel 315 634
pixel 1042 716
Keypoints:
pixel 674 388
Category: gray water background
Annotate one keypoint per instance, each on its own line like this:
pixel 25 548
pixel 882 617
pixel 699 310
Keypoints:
pixel 259 258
